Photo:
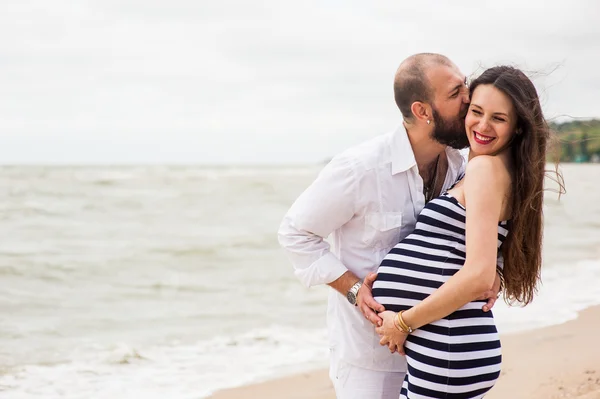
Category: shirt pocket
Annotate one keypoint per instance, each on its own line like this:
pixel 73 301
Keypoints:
pixel 382 229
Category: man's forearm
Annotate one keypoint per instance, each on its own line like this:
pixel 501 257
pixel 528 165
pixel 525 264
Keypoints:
pixel 344 282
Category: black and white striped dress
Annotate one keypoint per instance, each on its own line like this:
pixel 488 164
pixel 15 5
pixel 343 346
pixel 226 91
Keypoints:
pixel 458 356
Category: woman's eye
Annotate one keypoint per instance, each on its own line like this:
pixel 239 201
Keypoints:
pixel 475 112
pixel 500 119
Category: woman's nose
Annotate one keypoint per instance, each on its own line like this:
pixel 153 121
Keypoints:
pixel 483 125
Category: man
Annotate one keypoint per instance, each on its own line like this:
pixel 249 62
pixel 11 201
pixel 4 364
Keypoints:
pixel 368 198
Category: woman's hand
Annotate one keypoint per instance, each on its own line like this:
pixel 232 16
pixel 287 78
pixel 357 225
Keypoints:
pixel 390 335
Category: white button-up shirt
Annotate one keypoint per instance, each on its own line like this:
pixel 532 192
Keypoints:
pixel 368 199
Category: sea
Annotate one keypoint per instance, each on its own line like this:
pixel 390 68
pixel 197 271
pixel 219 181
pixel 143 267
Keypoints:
pixel 168 281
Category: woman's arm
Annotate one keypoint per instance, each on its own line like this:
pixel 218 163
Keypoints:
pixel 485 188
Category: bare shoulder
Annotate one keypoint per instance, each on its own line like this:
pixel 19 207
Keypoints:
pixel 487 172
pixel 483 164
pixel 487 167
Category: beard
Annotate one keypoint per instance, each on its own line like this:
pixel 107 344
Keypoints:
pixel 450 132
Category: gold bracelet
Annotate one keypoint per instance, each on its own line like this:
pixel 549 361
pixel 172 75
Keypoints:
pixel 403 326
pixel 397 325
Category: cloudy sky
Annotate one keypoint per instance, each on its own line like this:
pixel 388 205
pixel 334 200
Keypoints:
pixel 232 81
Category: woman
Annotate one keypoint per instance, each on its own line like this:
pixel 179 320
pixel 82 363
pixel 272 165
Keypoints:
pixel 452 346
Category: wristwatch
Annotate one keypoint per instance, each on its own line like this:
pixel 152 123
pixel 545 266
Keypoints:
pixel 352 294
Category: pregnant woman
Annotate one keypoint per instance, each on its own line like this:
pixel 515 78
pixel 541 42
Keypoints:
pixel 429 282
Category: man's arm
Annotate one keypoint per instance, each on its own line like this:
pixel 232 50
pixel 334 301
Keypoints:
pixel 344 282
pixel 326 205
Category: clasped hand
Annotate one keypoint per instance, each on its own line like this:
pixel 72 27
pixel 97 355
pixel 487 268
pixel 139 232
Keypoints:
pixel 390 335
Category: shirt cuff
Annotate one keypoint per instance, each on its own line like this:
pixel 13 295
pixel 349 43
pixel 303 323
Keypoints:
pixel 325 270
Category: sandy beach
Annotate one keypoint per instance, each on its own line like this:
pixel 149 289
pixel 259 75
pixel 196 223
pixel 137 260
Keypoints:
pixel 561 361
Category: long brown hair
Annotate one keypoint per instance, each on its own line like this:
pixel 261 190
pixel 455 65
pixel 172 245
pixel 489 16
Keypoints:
pixel 522 250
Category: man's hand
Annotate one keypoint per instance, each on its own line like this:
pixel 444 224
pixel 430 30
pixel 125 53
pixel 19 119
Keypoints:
pixel 491 295
pixel 366 304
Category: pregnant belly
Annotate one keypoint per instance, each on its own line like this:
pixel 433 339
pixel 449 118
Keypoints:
pixel 396 296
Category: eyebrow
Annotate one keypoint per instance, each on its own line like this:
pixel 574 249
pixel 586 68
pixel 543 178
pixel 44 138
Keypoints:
pixel 495 113
pixel 458 86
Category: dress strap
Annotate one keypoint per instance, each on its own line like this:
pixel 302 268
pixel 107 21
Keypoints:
pixel 456 182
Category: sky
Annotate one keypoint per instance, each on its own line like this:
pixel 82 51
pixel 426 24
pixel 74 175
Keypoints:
pixel 262 82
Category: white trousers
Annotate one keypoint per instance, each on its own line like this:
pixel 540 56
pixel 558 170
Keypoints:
pixel 351 382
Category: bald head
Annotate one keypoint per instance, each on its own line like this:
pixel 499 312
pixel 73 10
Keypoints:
pixel 411 82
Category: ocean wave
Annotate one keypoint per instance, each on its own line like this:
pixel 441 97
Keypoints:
pixel 105 176
pixel 174 370
pixel 32 211
pixel 177 370
pixel 204 289
pixel 565 290
pixel 220 248
pixel 198 251
pixel 253 171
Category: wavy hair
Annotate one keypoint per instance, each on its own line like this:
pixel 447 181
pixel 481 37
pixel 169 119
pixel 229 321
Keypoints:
pixel 522 250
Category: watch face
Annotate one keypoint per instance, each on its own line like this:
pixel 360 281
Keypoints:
pixel 351 297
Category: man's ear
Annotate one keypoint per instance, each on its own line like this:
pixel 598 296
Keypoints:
pixel 421 111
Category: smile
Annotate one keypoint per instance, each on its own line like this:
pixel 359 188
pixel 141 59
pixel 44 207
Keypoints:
pixel 481 139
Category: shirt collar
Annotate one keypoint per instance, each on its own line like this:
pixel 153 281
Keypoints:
pixel 403 157
pixel 456 160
